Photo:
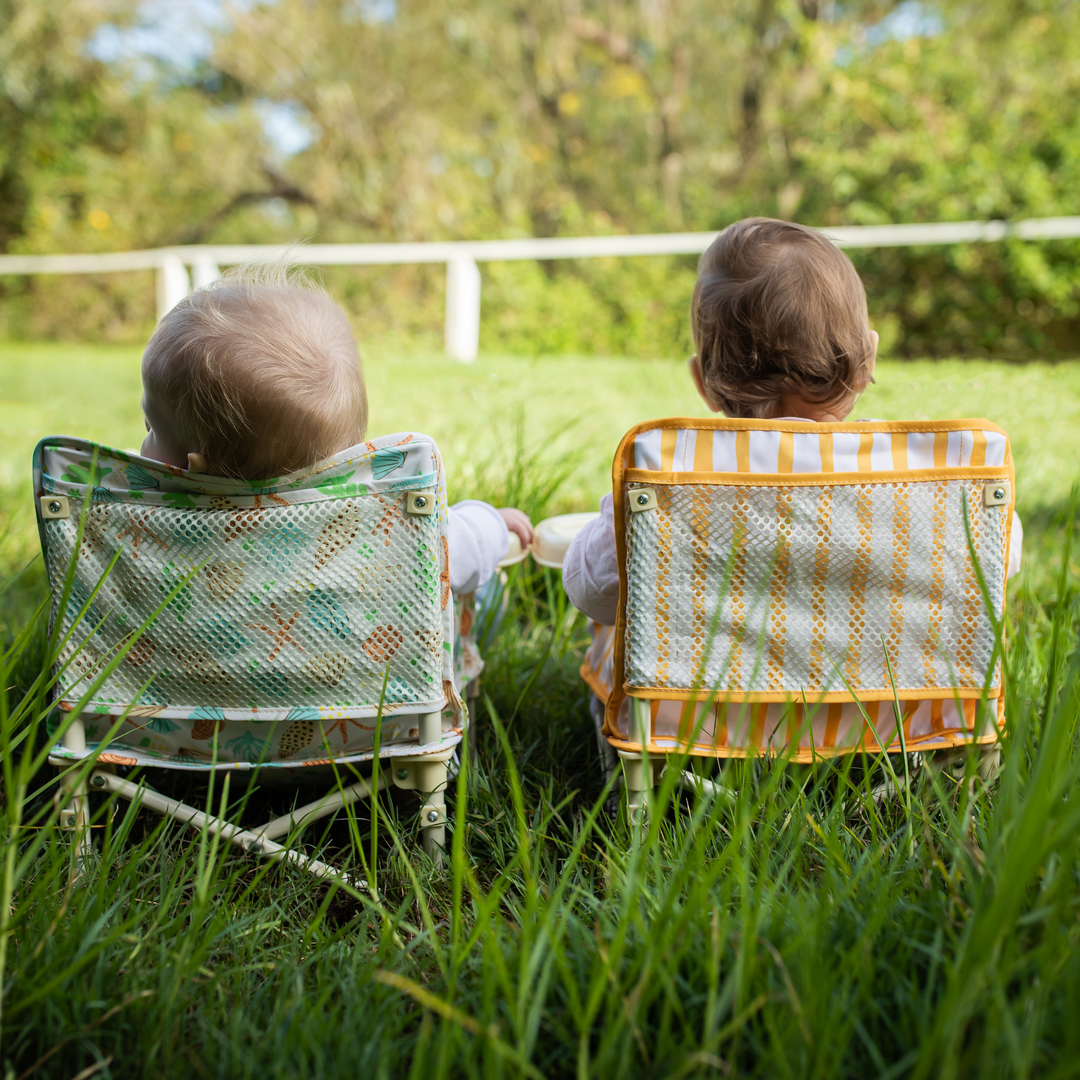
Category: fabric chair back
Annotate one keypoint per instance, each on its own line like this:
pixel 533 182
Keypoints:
pixel 784 584
pixel 219 623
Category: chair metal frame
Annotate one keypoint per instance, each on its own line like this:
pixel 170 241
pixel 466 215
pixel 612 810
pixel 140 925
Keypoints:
pixel 643 768
pixel 425 772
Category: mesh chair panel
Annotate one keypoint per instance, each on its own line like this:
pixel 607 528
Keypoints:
pixel 304 608
pixel 791 590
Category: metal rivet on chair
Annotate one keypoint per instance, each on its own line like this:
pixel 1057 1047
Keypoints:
pixel 643 499
pixel 98 781
pixel 433 815
pixel 54 507
pixel 999 493
pixel 402 774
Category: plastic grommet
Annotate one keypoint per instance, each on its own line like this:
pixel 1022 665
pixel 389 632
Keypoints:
pixel 642 499
pixel 54 507
pixel 419 503
pixel 996 493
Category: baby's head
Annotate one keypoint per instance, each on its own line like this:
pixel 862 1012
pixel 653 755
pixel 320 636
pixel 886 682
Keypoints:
pixel 253 377
pixel 780 324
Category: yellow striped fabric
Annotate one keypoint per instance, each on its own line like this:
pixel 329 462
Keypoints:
pixel 801 449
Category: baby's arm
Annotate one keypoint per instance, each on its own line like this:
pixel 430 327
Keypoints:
pixel 591 568
pixel 479 538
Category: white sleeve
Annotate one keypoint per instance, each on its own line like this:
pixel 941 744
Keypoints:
pixel 1016 547
pixel 479 538
pixel 591 568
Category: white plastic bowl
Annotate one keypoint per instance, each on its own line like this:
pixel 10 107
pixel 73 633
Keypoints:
pixel 554 535
pixel 514 552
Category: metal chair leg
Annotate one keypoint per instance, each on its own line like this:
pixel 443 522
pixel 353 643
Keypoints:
pixel 989 763
pixel 953 762
pixel 427 775
pixel 244 838
pixel 75 815
pixel 640 773
pixel 330 803
pixel 433 820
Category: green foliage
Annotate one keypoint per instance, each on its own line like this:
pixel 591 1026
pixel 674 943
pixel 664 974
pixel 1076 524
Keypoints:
pixel 481 121
pixel 957 126
pixel 600 306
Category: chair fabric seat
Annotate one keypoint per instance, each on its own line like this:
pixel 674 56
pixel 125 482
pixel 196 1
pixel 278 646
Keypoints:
pixel 807 588
pixel 222 623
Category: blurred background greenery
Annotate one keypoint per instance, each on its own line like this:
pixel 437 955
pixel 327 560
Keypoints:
pixel 528 431
pixel 128 124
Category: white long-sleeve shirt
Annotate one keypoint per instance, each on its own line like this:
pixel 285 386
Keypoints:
pixel 590 570
pixel 478 539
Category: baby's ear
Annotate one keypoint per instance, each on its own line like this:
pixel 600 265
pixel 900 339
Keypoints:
pixel 197 463
pixel 694 364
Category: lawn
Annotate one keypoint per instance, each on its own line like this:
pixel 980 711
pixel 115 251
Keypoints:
pixel 485 416
pixel 806 930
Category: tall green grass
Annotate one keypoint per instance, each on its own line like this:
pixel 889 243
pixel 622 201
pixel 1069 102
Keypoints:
pixel 807 929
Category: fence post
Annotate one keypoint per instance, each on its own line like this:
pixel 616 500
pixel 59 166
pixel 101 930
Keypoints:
pixel 463 308
pixel 173 283
pixel 204 271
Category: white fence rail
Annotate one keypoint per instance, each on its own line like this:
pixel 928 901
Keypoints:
pixel 462 320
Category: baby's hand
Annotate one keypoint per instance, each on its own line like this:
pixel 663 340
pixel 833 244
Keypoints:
pixel 519 523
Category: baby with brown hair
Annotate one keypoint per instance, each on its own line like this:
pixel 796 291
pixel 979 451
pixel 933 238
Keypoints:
pixel 257 376
pixel 780 324
pixel 782 332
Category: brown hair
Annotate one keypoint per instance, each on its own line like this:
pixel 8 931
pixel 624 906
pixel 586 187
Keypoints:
pixel 260 372
pixel 777 309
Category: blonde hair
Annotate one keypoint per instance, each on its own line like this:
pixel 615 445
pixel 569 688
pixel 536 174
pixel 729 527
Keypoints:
pixel 260 371
pixel 778 309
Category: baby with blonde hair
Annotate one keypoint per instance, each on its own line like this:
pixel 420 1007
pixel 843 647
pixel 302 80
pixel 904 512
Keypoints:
pixel 257 376
pixel 253 377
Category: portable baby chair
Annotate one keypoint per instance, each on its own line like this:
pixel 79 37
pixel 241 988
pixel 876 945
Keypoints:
pixel 219 624
pixel 782 584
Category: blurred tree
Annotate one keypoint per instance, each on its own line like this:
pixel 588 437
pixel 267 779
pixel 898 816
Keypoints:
pixel 479 117
pixel 424 120
pixel 97 156
pixel 50 106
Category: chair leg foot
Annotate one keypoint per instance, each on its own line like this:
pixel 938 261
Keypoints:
pixel 433 815
pixel 989 764
pixel 954 763
pixel 75 818
pixel 434 841
pixel 428 776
